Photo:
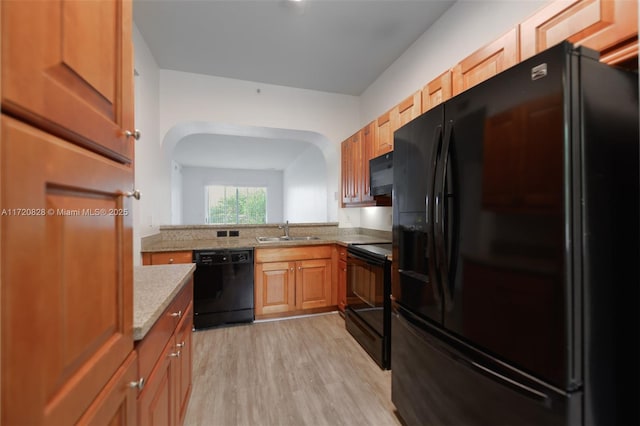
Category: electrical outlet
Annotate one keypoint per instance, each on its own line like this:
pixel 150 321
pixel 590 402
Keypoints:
pixel 234 233
pixel 221 233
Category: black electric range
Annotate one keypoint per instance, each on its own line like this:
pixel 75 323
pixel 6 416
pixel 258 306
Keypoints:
pixel 368 311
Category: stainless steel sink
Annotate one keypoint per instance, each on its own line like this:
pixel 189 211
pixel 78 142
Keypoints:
pixel 285 239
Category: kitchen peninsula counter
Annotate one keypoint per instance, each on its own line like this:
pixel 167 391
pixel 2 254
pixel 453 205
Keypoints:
pixel 184 238
pixel 154 288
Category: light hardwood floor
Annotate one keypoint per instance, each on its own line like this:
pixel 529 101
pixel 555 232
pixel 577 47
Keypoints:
pixel 301 371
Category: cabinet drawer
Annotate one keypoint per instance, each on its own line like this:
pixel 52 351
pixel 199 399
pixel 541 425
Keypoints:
pixel 287 254
pixel 167 257
pixel 150 348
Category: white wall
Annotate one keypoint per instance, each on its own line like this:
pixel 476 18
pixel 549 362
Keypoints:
pixel 176 193
pixel 151 167
pixel 227 103
pixel 194 179
pixel 305 188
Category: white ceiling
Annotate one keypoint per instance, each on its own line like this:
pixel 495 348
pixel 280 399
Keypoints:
pixel 338 46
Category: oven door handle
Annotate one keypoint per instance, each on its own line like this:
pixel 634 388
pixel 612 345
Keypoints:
pixel 364 259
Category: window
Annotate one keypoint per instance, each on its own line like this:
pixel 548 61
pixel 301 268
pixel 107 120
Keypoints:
pixel 234 204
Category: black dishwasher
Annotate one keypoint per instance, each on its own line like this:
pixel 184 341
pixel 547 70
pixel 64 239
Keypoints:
pixel 222 287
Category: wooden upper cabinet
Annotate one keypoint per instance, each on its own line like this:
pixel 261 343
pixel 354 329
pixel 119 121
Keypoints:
pixel 67 319
pixel 386 124
pixel 368 136
pixel 67 67
pixel 409 109
pixel 486 62
pixel 436 91
pixel 352 169
pixel 610 27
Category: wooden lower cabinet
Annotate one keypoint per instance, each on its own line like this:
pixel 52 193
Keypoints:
pixel 293 279
pixel 165 363
pixel 67 318
pixel 167 257
pixel 116 403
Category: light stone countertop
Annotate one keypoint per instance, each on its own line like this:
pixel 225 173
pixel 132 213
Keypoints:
pixel 154 288
pixel 243 242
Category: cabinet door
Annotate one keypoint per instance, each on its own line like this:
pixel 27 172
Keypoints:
pixel 313 283
pixel 409 109
pixel 116 404
pixel 275 287
pixel 609 27
pixel 368 136
pixel 67 275
pixel 347 171
pixel 436 91
pixel 67 67
pixel 185 363
pixel 156 402
pixel 342 285
pixel 352 169
pixel 385 126
pixel 486 62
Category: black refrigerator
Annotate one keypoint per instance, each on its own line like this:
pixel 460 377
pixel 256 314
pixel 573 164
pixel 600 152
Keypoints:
pixel 515 250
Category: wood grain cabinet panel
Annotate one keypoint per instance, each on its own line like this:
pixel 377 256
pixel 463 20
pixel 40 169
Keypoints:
pixel 167 257
pixel 116 403
pixel 436 91
pixel 293 279
pixel 607 26
pixel 357 150
pixel 67 67
pixel 274 287
pixel 409 109
pixel 486 62
pixel 76 305
pixel 386 124
pixel 312 277
pixel 165 363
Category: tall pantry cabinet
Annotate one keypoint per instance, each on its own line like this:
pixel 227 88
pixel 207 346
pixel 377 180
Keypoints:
pixel 66 179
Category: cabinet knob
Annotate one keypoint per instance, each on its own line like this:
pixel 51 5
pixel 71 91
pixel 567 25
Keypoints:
pixel 171 260
pixel 135 194
pixel 177 314
pixel 135 134
pixel 180 345
pixel 291 269
pixel 299 268
pixel 137 384
pixel 175 354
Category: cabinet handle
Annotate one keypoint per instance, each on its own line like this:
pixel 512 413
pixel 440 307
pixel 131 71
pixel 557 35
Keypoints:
pixel 137 384
pixel 177 314
pixel 299 268
pixel 180 345
pixel 175 354
pixel 135 134
pixel 171 260
pixel 292 269
pixel 135 194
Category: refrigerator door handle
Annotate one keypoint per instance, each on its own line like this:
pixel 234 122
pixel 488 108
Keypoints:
pixel 439 224
pixel 429 212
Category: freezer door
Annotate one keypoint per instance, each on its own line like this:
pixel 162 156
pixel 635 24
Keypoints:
pixel 501 218
pixel 415 282
pixel 434 383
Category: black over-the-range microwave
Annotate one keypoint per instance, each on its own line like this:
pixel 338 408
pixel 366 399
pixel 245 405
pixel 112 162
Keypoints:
pixel 381 174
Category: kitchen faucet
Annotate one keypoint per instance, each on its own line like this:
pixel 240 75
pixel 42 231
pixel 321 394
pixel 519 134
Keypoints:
pixel 286 229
